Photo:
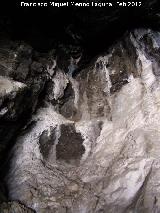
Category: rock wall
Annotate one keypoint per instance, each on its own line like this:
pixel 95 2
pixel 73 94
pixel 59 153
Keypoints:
pixel 92 142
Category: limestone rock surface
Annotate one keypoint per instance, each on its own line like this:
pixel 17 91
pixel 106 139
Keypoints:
pixel 94 145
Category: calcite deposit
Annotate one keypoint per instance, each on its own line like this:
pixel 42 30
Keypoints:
pixel 92 142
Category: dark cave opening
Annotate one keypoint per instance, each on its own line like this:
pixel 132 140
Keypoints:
pixel 94 29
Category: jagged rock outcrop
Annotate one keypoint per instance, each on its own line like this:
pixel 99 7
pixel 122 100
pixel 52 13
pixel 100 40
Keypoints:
pixel 22 79
pixel 93 145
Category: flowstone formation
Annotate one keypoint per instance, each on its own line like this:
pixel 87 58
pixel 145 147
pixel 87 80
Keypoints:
pixel 91 140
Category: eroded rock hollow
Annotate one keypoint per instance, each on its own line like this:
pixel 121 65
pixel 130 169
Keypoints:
pixel 81 139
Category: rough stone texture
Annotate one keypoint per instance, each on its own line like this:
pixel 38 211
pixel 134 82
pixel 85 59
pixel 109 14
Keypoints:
pixel 94 146
pixel 14 207
pixel 46 143
pixel 21 84
pixel 69 147
pixel 102 115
